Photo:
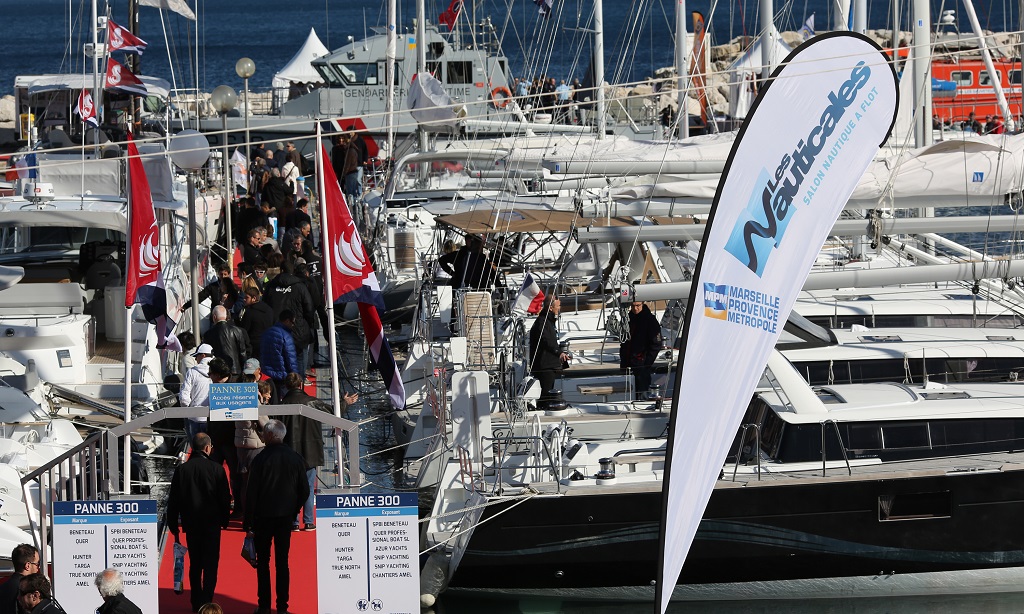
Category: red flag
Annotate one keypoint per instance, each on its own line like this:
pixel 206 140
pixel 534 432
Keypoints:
pixel 353 279
pixel 144 245
pixel 451 15
pixel 119 39
pixel 145 282
pixel 352 275
pixel 86 109
pixel 120 79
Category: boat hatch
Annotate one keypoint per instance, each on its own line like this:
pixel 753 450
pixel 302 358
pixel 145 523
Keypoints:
pixel 1001 338
pixel 880 338
pixel 945 395
pixel 915 506
pixel 960 297
pixel 828 396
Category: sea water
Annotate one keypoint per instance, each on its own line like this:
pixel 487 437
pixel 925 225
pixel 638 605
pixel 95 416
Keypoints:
pixel 46 36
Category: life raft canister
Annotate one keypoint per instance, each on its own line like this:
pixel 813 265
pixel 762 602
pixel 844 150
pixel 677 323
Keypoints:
pixel 500 97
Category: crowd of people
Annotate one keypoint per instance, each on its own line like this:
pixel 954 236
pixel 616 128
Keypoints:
pixel 993 124
pixel 546 95
pixel 265 318
pixel 28 591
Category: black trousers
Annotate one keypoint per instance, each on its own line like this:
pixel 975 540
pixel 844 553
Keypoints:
pixel 203 558
pixel 642 379
pixel 547 384
pixel 279 531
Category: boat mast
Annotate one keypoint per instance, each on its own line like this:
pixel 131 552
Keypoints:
pixel 599 66
pixel 681 116
pixel 986 56
pixel 922 72
pixel 841 16
pixel 766 13
pixel 96 89
pixel 389 75
pixel 860 16
pixel 421 59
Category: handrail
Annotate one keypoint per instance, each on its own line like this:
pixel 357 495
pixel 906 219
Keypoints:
pixel 757 448
pixel 842 447
pixel 521 439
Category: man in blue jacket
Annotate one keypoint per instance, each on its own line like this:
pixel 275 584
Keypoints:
pixel 277 350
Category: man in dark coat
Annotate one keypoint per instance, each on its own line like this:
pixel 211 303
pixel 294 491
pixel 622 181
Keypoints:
pixel 25 558
pixel 110 583
pixel 255 318
pixel 275 494
pixel 251 247
pixel 228 341
pixel 306 437
pixel 248 218
pixel 36 597
pixel 641 349
pixel 298 215
pixel 277 192
pixel 200 498
pixel 288 292
pixel 546 360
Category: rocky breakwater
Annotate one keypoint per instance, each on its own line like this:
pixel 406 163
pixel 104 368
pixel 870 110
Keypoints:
pixel 645 101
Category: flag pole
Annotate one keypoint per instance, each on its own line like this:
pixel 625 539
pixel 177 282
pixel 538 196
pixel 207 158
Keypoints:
pixel 332 333
pixel 127 473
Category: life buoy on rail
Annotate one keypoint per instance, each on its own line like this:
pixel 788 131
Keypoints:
pixel 500 97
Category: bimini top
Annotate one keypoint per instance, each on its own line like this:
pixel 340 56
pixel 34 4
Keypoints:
pixel 489 221
pixel 40 84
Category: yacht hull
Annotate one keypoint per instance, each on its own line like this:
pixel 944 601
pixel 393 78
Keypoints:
pixel 800 534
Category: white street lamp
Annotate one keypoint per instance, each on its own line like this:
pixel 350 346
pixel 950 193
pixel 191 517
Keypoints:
pixel 189 150
pixel 223 99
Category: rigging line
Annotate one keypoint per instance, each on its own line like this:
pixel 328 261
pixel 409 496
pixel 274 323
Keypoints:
pixel 522 498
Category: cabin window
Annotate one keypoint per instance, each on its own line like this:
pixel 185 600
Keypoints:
pixel 434 68
pixel 328 75
pixel 962 78
pixel 915 506
pixel 864 438
pixel 1014 76
pixel 460 73
pixel 504 69
pixel 358 74
pixel 905 436
pixel 985 79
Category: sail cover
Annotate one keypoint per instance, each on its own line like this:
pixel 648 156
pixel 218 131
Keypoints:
pixel 805 144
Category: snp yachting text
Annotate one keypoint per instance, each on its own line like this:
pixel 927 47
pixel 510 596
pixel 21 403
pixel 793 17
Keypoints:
pixel 777 196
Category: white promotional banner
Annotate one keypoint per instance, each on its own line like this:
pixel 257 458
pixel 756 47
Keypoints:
pixel 805 144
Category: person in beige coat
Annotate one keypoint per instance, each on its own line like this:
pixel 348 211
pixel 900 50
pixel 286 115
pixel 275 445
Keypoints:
pixel 248 443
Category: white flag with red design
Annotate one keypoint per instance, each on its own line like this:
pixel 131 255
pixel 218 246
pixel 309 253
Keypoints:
pixel 120 79
pixel 119 39
pixel 86 109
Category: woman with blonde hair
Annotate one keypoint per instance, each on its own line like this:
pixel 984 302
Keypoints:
pixel 211 608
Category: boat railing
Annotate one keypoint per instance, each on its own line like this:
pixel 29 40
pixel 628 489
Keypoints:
pixel 76 475
pixel 842 447
pixel 505 445
pixel 744 429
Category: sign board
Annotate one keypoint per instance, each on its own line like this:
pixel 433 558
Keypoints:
pixel 367 553
pixel 234 402
pixel 89 536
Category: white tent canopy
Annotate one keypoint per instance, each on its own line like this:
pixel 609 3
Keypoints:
pixel 747 69
pixel 299 69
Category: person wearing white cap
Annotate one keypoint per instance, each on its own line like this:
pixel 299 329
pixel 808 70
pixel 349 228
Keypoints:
pixel 195 390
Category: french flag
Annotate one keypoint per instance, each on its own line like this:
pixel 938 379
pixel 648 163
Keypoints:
pixel 354 280
pixel 86 109
pixel 120 79
pixel 27 166
pixel 119 39
pixel 144 282
pixel 530 298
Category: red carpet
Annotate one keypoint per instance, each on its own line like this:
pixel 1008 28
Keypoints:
pixel 236 580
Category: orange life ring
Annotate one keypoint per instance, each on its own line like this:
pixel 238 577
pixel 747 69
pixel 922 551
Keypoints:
pixel 505 97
